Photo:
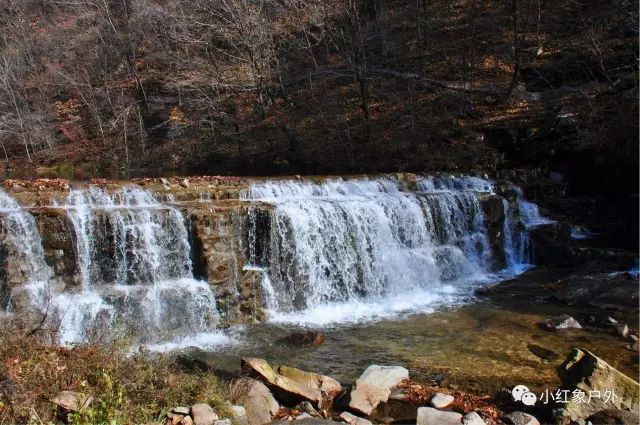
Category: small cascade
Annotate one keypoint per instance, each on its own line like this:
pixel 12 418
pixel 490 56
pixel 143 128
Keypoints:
pixel 21 249
pixel 135 266
pixel 358 240
pixel 518 220
pixel 127 237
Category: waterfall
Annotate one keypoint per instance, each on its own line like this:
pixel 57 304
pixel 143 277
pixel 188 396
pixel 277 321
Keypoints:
pixel 518 220
pixel 358 240
pixel 135 266
pixel 149 239
pixel 21 248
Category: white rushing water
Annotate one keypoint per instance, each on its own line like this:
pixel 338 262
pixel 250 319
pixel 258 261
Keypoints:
pixel 339 251
pixel 518 220
pixel 135 266
pixel 135 269
pixel 22 247
pixel 345 250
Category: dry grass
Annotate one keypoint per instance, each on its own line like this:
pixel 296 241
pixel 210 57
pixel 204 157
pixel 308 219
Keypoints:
pixel 127 388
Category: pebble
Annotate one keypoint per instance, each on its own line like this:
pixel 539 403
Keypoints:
pixel 472 419
pixel 441 401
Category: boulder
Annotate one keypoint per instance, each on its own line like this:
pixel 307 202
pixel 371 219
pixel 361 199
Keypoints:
pixel 431 416
pixel 352 419
pixel 327 385
pixel 239 415
pixel 72 401
pixel 520 418
pixel 615 417
pixel 374 386
pixel 257 400
pixel 293 385
pixel 472 419
pixel 203 414
pixel 187 420
pixel 441 401
pixel 223 422
pixel 564 321
pixel 583 370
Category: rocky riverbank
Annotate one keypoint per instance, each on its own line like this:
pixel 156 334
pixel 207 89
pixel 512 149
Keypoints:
pixel 387 394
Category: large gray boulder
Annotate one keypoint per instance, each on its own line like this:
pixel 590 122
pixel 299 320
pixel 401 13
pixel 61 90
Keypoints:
pixel 374 387
pixel 257 400
pixel 431 416
pixel 583 370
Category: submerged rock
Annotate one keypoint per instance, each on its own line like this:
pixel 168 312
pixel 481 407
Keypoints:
pixel 256 398
pixel 582 370
pixel 374 386
pixel 542 352
pixel 303 339
pixel 564 321
pixel 431 416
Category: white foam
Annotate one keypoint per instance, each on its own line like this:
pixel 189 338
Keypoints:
pixel 203 340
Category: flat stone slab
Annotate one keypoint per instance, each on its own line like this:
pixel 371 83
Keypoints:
pixel 374 387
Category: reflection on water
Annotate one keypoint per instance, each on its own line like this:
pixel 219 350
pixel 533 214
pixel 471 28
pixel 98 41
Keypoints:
pixel 478 347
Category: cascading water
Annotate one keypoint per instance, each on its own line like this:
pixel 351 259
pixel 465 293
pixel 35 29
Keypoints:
pixel 345 243
pixel 518 220
pixel 21 246
pixel 135 266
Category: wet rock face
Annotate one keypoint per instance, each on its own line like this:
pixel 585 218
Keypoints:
pixel 220 256
pixel 58 241
pixel 494 219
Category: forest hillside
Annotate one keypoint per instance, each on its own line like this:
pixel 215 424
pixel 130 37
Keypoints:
pixel 263 87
